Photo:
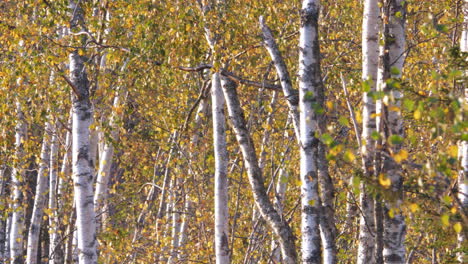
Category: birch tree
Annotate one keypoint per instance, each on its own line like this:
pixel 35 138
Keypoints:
pixel 221 160
pixel 17 180
pixel 390 125
pixel 55 250
pixel 40 198
pixel 370 57
pixel 309 82
pixel 463 145
pixel 264 205
pixel 81 167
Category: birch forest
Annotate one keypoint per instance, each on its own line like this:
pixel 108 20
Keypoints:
pixel 233 131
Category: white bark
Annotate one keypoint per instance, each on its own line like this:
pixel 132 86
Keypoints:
pixel 6 255
pixel 176 194
pixel 3 216
pixel 82 170
pixel 391 123
pixel 40 198
pixel 221 183
pixel 309 79
pixel 370 57
pixel 65 170
pixel 54 246
pixel 17 180
pixel 106 156
pixel 282 71
pixel 463 146
pixel 271 216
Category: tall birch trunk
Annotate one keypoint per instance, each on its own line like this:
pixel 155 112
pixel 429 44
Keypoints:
pixel 3 215
pixel 370 57
pixel 276 222
pixel 309 82
pixel 55 250
pixel 82 168
pixel 17 180
pixel 106 157
pixel 40 198
pixel 391 124
pixel 221 183
pixel 327 228
pixel 463 145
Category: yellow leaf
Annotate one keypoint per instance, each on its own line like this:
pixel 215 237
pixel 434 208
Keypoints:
pixel 453 151
pixel 445 219
pixel 375 115
pixel 414 207
pixel 394 108
pixel 417 114
pixel 349 156
pixel 453 210
pixel 391 213
pixel 329 105
pixel 384 181
pixel 401 156
pixel 458 227
pixel 312 202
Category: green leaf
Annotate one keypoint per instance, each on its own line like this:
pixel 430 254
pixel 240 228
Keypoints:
pixel 394 70
pixel 395 139
pixel 343 121
pixel 308 96
pixel 327 139
pixel 409 104
pixel 375 135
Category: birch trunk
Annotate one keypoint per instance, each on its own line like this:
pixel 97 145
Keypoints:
pixel 17 180
pixel 370 57
pixel 65 169
pixel 221 160
pixel 54 246
pixel 392 124
pixel 82 169
pixel 176 194
pixel 271 216
pixel 282 72
pixel 106 157
pixel 3 216
pixel 463 146
pixel 6 255
pixel 40 198
pixel 309 82
pixel 327 227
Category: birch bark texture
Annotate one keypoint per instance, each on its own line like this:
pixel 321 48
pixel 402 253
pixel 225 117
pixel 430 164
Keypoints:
pixel 40 198
pixel 392 55
pixel 463 145
pixel 370 58
pixel 276 222
pixel 221 183
pixel 82 168
pixel 55 250
pixel 220 148
pixel 17 180
pixel 309 80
